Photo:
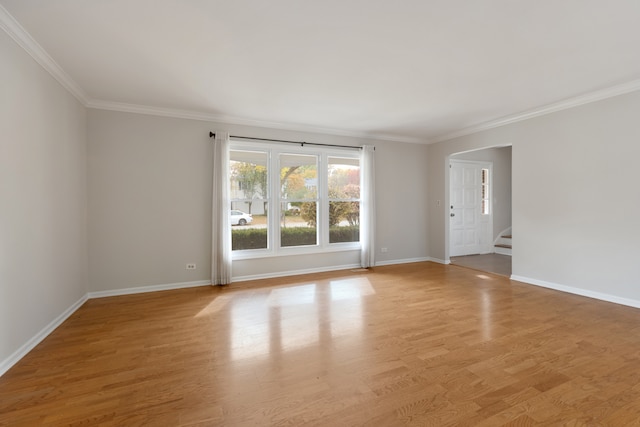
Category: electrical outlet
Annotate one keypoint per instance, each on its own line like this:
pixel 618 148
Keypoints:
pixel 384 250
pixel 191 266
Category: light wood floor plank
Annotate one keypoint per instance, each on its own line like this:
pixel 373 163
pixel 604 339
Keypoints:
pixel 413 344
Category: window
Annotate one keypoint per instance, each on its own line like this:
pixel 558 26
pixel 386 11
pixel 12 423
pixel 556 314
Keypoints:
pixel 293 198
pixel 484 180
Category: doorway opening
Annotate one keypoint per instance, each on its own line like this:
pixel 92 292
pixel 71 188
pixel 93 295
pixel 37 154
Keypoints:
pixel 479 216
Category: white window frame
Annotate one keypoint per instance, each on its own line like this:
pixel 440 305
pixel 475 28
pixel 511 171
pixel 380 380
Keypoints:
pixel 274 201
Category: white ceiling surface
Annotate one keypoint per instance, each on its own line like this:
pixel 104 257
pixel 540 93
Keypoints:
pixel 411 70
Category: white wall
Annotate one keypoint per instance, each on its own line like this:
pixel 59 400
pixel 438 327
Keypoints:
pixel 501 183
pixel 43 215
pixel 576 204
pixel 402 202
pixel 150 201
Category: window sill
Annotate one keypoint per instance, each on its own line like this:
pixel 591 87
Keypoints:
pixel 293 251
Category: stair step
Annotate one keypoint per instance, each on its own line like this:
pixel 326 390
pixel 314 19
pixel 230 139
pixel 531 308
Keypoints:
pixel 507 236
pixel 500 245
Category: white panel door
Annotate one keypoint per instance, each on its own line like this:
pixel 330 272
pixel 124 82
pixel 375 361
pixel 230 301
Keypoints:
pixel 470 228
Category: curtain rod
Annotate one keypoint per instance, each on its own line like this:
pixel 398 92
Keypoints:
pixel 301 143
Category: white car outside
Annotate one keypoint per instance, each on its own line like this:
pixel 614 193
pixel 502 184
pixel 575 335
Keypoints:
pixel 240 218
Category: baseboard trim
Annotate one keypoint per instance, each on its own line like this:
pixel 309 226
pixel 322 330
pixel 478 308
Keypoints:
pixel 6 364
pixel 151 288
pixel 502 251
pixel 293 273
pixel 578 291
pixel 332 268
pixel 402 261
pixel 440 261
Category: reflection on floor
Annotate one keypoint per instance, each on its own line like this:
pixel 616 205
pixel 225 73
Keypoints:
pixel 491 263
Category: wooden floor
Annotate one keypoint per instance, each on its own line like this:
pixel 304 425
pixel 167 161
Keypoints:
pixel 414 344
pixel 491 263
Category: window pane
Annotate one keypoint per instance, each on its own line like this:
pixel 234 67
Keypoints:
pixel 250 233
pixel 344 178
pixel 298 177
pixel 248 176
pixel 299 192
pixel 344 199
pixel 249 202
pixel 344 218
pixel 299 229
pixel 485 191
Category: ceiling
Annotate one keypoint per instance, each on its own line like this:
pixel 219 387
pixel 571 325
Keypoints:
pixel 410 70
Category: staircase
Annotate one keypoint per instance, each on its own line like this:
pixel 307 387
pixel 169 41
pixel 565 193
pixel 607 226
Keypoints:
pixel 503 244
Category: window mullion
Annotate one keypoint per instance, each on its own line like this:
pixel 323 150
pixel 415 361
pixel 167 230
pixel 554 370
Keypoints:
pixel 323 200
pixel 276 198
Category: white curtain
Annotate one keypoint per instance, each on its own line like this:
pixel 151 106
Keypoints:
pixel 221 227
pixel 368 207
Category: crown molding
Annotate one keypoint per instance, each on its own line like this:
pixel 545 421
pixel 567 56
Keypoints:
pixel 195 115
pixel 123 107
pixel 576 101
pixel 13 28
